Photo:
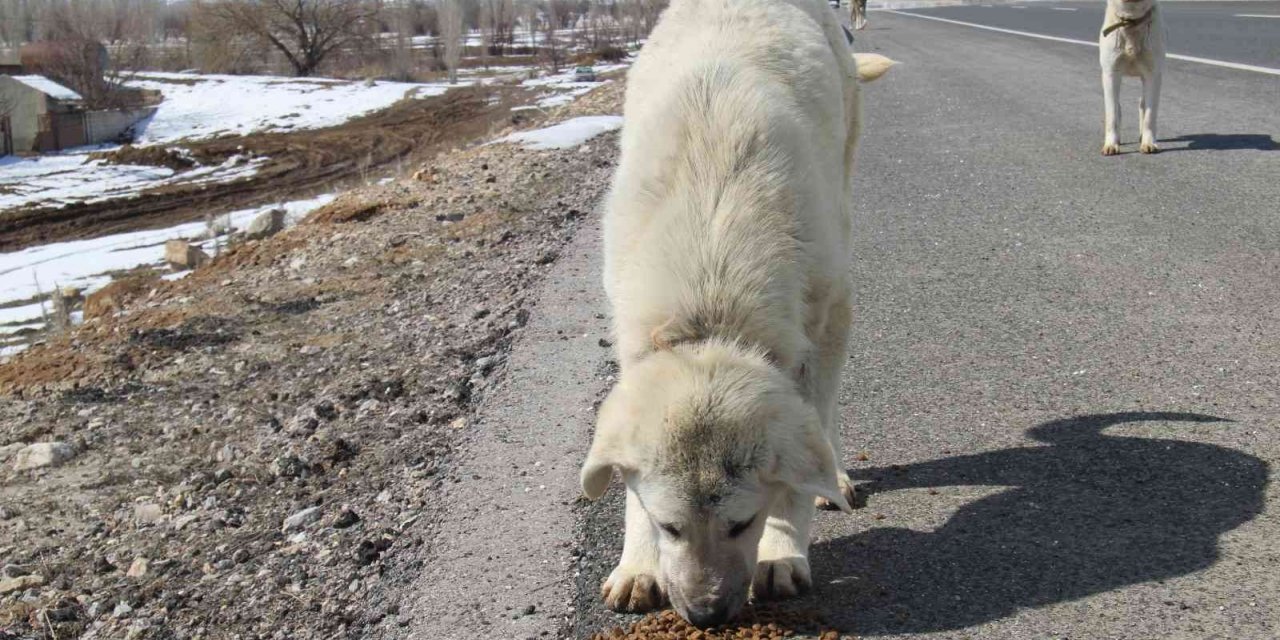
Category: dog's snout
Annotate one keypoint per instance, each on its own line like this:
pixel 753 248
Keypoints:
pixel 708 615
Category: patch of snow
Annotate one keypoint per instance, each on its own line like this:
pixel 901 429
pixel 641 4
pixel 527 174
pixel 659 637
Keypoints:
pixel 22 314
pixel 60 180
pixel 86 264
pixel 566 135
pixel 202 106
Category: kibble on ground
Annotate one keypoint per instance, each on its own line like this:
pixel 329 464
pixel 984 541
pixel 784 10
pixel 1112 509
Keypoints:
pixel 758 622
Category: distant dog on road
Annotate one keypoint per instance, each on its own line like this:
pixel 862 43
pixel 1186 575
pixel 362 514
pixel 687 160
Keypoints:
pixel 727 243
pixel 1131 44
pixel 859 8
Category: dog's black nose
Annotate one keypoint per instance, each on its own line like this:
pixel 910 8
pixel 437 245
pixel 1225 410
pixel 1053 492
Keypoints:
pixel 710 616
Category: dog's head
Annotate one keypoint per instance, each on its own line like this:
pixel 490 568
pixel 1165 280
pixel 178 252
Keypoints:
pixel 708 436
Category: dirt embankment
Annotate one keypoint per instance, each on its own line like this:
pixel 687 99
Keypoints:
pixel 258 450
pixel 298 164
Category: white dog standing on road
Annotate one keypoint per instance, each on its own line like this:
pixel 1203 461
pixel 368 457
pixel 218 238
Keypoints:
pixel 1131 44
pixel 727 245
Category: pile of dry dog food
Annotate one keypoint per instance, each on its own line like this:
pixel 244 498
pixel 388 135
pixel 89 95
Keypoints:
pixel 760 622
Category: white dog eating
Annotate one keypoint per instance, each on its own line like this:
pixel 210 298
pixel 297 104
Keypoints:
pixel 1131 44
pixel 727 239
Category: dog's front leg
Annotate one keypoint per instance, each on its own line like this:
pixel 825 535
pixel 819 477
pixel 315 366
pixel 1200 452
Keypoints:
pixel 831 352
pixel 633 585
pixel 1111 112
pixel 1149 105
pixel 782 568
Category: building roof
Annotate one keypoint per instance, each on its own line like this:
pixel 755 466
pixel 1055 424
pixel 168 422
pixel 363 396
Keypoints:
pixel 48 87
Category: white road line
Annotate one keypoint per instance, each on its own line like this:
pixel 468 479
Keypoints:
pixel 1176 56
pixel 1257 15
pixel 1065 9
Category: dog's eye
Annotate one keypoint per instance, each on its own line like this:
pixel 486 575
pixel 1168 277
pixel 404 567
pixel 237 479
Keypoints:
pixel 671 530
pixel 736 530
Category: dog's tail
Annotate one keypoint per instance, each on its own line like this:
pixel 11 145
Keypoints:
pixel 871 66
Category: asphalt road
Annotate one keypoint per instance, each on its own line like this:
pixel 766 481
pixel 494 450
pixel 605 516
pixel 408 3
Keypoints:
pixel 1229 31
pixel 1064 374
pixel 1065 367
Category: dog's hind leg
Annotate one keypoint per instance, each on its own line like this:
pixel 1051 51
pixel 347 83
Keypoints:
pixel 1111 112
pixel 782 567
pixel 1147 108
pixel 633 585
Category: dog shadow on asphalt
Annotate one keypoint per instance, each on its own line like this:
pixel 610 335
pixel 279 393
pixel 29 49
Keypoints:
pixel 1222 142
pixel 1085 514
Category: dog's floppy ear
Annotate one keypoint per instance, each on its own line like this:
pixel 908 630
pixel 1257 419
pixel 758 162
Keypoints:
pixel 871 66
pixel 613 445
pixel 804 461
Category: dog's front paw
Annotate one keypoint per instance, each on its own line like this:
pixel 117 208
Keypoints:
pixel 632 590
pixel 1110 149
pixel 847 489
pixel 781 578
pixel 1149 147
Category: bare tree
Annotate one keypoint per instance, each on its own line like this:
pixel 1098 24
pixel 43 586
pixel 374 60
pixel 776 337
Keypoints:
pixel 552 53
pixel 450 19
pixel 497 23
pixel 530 20
pixel 305 32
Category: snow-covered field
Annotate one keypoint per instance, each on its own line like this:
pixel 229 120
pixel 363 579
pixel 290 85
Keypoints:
pixel 74 177
pixel 565 135
pixel 198 107
pixel 205 106
pixel 87 264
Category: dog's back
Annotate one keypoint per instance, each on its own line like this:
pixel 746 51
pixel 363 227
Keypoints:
pixel 728 212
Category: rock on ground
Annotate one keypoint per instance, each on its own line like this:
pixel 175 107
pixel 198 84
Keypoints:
pixel 42 454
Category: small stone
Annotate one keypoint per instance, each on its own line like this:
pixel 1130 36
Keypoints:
pixel 302 425
pixel 15 570
pixel 325 410
pixel 182 255
pixel 265 225
pixel 301 519
pixel 122 610
pixel 181 522
pixel 241 556
pixel 226 454
pixel 43 454
pixel 102 565
pixel 288 466
pixel 138 568
pixel 605 342
pixel 9 450
pixel 346 518
pixel 147 513
pixel 20 583
pixel 529 610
